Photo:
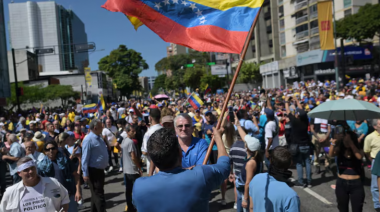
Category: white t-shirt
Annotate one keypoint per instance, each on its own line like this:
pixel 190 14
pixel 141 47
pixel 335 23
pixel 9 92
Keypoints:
pixel 121 111
pixel 147 135
pixel 270 128
pixel 33 199
pixel 111 138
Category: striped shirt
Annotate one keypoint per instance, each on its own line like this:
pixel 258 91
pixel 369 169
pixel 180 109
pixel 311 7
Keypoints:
pixel 237 156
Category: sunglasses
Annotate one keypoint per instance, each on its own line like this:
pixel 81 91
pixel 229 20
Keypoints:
pixel 51 149
pixel 186 126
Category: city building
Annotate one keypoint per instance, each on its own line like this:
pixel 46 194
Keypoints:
pixel 301 56
pixel 175 49
pixel 51 31
pixel 151 80
pixel 27 67
pixel 144 83
pixel 4 77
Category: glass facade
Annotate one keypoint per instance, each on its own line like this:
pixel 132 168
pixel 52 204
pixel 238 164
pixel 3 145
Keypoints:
pixel 5 90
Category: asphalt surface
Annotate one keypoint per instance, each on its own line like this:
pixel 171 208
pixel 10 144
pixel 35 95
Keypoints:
pixel 321 197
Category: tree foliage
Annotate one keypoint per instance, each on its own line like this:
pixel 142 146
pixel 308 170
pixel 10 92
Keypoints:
pixel 124 65
pixel 40 94
pixel 250 72
pixel 158 83
pixel 365 24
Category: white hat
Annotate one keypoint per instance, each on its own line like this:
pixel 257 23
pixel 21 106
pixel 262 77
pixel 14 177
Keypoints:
pixel 253 144
pixel 1 124
pixel 38 136
pixel 341 94
pixel 131 110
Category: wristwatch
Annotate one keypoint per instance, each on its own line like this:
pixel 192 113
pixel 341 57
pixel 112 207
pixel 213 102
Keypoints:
pixel 244 200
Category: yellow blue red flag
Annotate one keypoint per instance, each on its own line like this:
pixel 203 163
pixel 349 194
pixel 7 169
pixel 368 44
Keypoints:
pixel 203 25
pixel 195 101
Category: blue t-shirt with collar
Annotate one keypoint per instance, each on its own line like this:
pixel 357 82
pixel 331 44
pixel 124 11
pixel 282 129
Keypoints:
pixel 195 154
pixel 272 195
pixel 180 189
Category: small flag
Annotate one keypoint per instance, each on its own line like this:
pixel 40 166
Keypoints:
pixel 150 95
pixel 42 110
pixel 101 104
pixel 348 77
pixel 208 89
pixel 91 108
pixel 195 101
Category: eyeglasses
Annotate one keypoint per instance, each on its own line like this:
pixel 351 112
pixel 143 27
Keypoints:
pixel 51 149
pixel 186 126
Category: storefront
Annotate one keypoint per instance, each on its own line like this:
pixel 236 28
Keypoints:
pixel 289 70
pixel 272 77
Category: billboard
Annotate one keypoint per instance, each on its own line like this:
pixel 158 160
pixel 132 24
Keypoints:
pixel 356 52
pixel 5 89
pixel 219 69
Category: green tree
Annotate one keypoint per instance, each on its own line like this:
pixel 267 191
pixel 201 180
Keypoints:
pixel 365 24
pixel 124 65
pixel 158 83
pixel 193 76
pixel 213 81
pixel 250 73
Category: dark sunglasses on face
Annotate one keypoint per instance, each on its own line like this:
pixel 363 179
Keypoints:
pixel 51 149
pixel 186 126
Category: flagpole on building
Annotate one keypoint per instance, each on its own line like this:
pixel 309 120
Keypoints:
pixel 241 60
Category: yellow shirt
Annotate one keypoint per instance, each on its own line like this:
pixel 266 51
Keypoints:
pixel 218 111
pixel 63 122
pixel 72 116
pixel 372 144
pixel 11 127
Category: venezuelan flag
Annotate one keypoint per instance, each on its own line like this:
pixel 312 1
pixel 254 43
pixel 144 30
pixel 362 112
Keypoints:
pixel 91 108
pixel 42 110
pixel 195 101
pixel 203 25
pixel 101 104
pixel 208 89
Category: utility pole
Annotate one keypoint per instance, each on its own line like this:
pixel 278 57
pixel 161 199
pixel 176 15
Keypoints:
pixel 16 82
pixel 336 52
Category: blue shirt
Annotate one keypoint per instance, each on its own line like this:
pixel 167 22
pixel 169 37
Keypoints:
pixel 180 189
pixel 272 195
pixel 249 126
pixel 95 153
pixel 195 154
pixel 18 152
pixel 362 129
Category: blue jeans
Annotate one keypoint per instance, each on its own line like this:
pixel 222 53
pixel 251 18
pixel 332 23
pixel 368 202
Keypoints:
pixel 240 196
pixel 73 205
pixel 303 158
pixel 374 189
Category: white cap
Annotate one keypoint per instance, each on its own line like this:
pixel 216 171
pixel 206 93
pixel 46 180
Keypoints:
pixel 131 110
pixel 1 124
pixel 253 143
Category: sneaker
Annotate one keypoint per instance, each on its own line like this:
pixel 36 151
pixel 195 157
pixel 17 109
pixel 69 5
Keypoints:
pixel 121 169
pixel 309 185
pixel 317 169
pixel 105 172
pixel 299 185
pixel 223 202
pixel 235 205
pixel 110 169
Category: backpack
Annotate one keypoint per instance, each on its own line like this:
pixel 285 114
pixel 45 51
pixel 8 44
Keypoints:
pixel 275 133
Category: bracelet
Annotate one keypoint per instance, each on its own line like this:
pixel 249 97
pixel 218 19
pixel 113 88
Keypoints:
pixel 332 144
pixel 244 200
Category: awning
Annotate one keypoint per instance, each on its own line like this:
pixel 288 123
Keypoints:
pixel 301 41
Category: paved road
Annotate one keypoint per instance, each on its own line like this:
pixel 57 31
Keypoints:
pixel 319 198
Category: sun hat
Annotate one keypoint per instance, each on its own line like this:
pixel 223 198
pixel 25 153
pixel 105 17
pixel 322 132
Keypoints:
pixel 38 136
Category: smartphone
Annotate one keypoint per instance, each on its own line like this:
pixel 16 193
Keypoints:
pixel 76 143
pixel 231 114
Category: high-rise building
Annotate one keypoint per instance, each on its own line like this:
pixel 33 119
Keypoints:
pixel 45 25
pixel 301 58
pixel 4 77
pixel 151 81
pixel 175 49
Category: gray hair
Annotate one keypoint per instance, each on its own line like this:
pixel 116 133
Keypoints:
pixel 12 137
pixel 374 122
pixel 185 116
pixel 129 127
pixel 22 119
pixel 23 160
pixel 94 123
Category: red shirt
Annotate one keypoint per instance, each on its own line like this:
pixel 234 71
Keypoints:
pixel 79 136
pixel 372 99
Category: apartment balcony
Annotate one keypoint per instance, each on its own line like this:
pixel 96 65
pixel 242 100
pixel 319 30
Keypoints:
pixel 301 35
pixel 282 28
pixel 314 31
pixel 312 1
pixel 302 19
pixel 269 29
pixel 267 15
pixel 313 15
pixel 300 5
pixel 280 2
pixel 314 40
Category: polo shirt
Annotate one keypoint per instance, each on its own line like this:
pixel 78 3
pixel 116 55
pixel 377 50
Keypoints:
pixel 372 144
pixel 195 154
pixel 264 190
pixel 179 189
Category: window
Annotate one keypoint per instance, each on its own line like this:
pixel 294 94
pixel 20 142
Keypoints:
pixel 281 11
pixel 283 51
pixel 266 9
pixel 268 22
pixel 313 9
pixel 282 38
pixel 347 12
pixel 282 25
pixel 313 24
pixel 347 3
pixel 302 28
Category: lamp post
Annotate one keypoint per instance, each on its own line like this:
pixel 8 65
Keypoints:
pixel 336 51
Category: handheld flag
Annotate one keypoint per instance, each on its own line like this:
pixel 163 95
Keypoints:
pixel 208 89
pixel 101 104
pixel 91 108
pixel 195 101
pixel 42 110
pixel 203 25
pixel 150 95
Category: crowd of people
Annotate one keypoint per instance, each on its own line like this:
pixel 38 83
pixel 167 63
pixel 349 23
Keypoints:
pixel 52 156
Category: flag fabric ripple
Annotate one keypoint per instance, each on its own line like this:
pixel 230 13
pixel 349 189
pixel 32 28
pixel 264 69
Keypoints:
pixel 203 25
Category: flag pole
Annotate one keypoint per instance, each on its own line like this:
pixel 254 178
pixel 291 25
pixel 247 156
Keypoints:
pixel 242 56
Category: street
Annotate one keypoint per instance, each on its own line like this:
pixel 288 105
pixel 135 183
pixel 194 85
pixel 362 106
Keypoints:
pixel 321 197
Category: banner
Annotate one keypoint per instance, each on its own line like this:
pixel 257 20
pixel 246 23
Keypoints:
pixel 88 76
pixel 326 31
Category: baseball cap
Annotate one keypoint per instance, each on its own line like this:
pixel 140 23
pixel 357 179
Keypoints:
pixel 167 119
pixel 269 112
pixel 131 110
pixel 253 144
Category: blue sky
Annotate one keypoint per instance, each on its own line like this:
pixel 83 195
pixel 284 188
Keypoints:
pixel 108 30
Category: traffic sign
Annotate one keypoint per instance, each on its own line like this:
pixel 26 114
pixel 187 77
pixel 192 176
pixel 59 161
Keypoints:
pixel 189 65
pixel 211 63
pixel 44 51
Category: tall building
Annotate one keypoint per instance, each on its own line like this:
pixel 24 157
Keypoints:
pixel 45 25
pixel 151 81
pixel 301 58
pixel 175 49
pixel 4 77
